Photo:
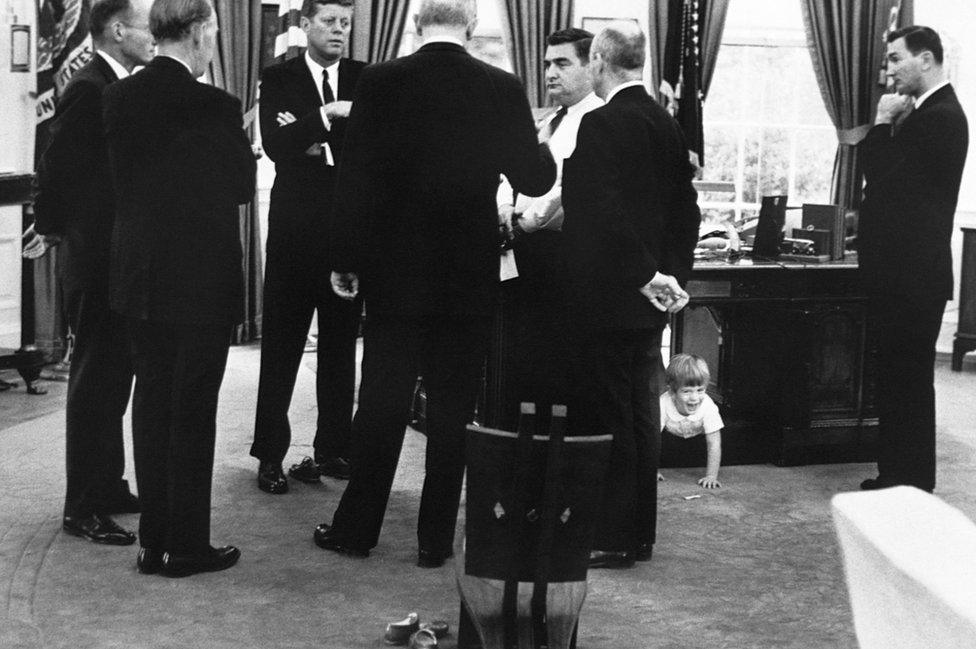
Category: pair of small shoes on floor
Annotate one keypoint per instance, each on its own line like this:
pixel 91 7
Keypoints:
pixel 410 632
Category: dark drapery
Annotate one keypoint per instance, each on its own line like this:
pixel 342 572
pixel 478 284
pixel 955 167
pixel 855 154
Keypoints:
pixel 235 69
pixel 657 41
pixel 378 29
pixel 847 47
pixel 529 23
pixel 693 37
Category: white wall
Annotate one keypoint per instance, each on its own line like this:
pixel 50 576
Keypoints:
pixel 16 155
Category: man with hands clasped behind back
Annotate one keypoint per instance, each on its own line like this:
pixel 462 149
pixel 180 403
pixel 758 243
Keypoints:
pixel 304 106
pixel 631 226
pixel 913 160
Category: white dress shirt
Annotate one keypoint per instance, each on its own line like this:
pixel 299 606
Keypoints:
pixel 627 84
pixel 316 71
pixel 546 211
pixel 117 68
pixel 928 93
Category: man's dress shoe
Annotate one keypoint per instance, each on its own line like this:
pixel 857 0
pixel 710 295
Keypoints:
pixel 327 539
pixel 271 478
pixel 98 528
pixel 122 501
pixel 335 467
pixel 306 471
pixel 184 565
pixel 430 559
pixel 605 559
pixel 149 561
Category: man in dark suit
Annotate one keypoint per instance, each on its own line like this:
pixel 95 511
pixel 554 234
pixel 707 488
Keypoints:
pixel 631 224
pixel 304 106
pixel 416 224
pixel 74 203
pixel 181 164
pixel 913 161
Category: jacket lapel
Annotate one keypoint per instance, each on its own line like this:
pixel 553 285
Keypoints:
pixel 308 92
pixel 346 83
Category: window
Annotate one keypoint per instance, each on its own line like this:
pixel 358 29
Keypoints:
pixel 766 127
pixel 487 43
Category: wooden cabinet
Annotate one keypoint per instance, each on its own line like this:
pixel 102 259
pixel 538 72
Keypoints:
pixel 965 340
pixel 792 365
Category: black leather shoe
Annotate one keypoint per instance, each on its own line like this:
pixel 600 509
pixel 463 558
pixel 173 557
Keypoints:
pixel 98 528
pixel 335 467
pixel 604 559
pixel 271 478
pixel 429 559
pixel 644 552
pixel 327 539
pixel 122 502
pixel 306 471
pixel 149 561
pixel 184 565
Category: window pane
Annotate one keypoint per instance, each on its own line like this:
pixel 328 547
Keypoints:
pixel 816 150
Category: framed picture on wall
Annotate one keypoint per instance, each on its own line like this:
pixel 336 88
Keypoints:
pixel 597 24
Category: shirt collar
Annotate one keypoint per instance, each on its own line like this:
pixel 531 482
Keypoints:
pixel 443 39
pixel 623 86
pixel 117 68
pixel 317 69
pixel 587 103
pixel 928 93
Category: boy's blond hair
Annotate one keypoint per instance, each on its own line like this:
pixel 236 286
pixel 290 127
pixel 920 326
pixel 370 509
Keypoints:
pixel 686 370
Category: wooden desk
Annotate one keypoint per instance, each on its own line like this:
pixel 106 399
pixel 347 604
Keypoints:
pixel 791 359
pixel 15 189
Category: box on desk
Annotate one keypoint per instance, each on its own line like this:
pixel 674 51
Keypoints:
pixel 824 224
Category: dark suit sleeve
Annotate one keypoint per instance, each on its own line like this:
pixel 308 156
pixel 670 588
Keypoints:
pixel 292 140
pixel 681 222
pixel 593 190
pixel 64 169
pixel 214 157
pixel 528 165
pixel 360 186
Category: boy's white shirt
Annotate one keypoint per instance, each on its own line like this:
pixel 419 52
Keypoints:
pixel 705 420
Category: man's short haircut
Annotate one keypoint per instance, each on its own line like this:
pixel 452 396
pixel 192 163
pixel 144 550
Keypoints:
pixel 919 39
pixel 687 370
pixel 454 13
pixel 622 47
pixel 311 7
pixel 580 38
pixel 102 12
pixel 171 20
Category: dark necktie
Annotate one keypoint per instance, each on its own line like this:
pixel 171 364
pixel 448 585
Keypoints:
pixel 557 120
pixel 327 96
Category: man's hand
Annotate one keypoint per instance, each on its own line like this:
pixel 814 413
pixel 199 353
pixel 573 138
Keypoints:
pixel 345 285
pixel 505 215
pixel 35 246
pixel 710 482
pixel 664 293
pixel 337 109
pixel 892 107
pixel 286 118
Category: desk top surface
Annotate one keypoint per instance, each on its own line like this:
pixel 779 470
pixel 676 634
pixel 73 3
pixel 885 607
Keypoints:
pixel 746 264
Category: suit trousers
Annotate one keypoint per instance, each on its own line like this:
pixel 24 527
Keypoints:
pixel 906 331
pixel 449 352
pixel 179 369
pixel 616 377
pixel 98 394
pixel 293 291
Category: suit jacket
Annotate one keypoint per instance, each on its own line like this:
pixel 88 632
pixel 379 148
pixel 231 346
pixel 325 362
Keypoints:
pixel 428 136
pixel 913 178
pixel 73 190
pixel 180 164
pixel 302 195
pixel 630 208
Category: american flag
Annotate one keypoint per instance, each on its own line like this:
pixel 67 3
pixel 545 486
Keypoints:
pixel 291 39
